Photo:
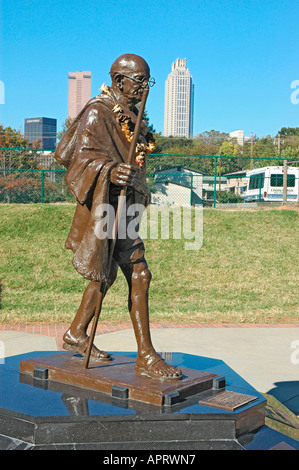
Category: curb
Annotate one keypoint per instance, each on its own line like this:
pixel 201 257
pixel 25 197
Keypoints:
pixel 57 330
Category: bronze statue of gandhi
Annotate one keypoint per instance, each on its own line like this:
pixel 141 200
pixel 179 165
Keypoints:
pixel 94 150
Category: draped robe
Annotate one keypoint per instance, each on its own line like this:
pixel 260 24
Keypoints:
pixel 91 147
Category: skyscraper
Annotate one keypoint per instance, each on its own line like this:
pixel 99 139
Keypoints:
pixel 178 109
pixel 41 131
pixel 79 91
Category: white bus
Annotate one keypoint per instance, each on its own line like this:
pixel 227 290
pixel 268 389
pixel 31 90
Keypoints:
pixel 266 184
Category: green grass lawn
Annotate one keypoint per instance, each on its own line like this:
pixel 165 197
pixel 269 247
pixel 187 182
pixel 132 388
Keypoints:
pixel 246 271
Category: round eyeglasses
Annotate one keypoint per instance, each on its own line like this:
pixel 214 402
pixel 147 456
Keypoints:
pixel 143 82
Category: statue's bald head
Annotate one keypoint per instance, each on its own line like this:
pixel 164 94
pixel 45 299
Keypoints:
pixel 128 64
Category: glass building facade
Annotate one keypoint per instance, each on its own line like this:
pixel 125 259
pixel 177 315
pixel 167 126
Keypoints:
pixel 42 131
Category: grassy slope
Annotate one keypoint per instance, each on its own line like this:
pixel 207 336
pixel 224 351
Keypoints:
pixel 246 271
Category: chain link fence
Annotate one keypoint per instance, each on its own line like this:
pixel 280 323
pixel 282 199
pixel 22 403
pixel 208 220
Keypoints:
pixel 34 176
pixel 31 176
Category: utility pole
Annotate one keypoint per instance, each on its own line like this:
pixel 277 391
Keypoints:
pixel 220 170
pixel 278 145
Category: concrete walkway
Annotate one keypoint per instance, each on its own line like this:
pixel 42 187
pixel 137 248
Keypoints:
pixel 267 357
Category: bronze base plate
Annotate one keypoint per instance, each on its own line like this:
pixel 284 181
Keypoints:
pixel 228 400
pixel 118 378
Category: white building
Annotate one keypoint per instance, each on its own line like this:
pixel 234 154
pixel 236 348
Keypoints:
pixel 178 108
pixel 180 186
pixel 239 135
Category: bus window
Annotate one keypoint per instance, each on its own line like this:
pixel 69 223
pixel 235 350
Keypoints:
pixel 257 181
pixel 277 181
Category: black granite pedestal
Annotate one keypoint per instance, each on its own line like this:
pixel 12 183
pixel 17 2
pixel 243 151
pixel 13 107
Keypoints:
pixel 37 412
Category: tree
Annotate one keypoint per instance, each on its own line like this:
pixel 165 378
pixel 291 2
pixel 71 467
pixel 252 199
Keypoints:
pixel 289 131
pixel 146 119
pixel 289 142
pixel 11 138
pixel 291 154
pixel 166 144
pixel 212 137
pixel 65 125
pixel 230 148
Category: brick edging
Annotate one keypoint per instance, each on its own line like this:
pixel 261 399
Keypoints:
pixel 59 329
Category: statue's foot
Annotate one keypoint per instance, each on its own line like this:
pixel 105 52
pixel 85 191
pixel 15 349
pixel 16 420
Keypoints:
pixel 79 345
pixel 154 366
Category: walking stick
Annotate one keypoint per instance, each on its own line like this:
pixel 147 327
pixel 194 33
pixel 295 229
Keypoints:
pixel 119 209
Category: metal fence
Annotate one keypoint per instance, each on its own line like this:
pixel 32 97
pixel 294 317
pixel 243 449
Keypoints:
pixel 33 176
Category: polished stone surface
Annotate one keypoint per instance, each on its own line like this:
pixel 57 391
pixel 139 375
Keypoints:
pixel 37 401
pixel 38 413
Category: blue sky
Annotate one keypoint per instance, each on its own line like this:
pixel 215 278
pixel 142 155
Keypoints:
pixel 243 56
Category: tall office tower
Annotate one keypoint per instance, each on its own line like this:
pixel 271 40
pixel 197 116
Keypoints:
pixel 79 91
pixel 42 131
pixel 178 109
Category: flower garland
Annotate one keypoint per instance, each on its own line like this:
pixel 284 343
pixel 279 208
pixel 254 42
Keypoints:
pixel 127 126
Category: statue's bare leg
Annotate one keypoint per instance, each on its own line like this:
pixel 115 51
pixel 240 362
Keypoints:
pixel 148 362
pixel 76 338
